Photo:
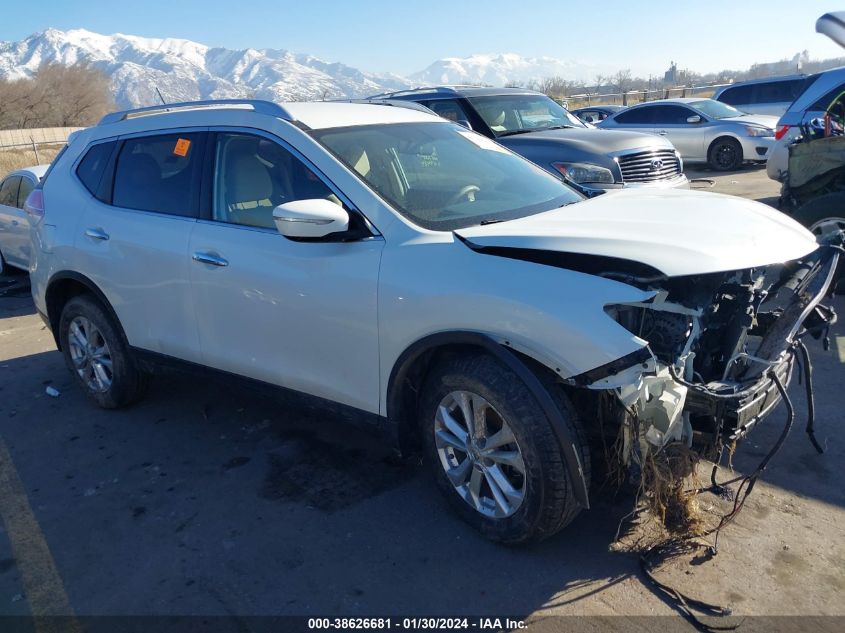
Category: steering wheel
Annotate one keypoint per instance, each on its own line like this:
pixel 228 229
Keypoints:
pixel 467 192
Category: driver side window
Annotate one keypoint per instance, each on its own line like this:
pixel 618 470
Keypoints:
pixel 253 175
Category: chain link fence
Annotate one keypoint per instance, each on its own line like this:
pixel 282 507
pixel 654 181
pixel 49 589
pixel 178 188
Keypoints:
pixel 632 97
pixel 33 146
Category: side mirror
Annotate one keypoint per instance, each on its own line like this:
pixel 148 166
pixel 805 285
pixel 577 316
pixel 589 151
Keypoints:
pixel 694 119
pixel 310 218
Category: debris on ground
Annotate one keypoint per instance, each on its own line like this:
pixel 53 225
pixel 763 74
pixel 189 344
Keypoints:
pixel 52 391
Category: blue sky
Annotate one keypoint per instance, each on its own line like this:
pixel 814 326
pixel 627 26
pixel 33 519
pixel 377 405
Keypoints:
pixel 404 36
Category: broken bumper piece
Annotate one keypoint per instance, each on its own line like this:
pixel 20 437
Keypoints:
pixel 742 412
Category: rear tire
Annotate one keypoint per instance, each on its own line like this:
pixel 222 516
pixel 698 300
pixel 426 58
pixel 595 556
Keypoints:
pixel 822 215
pixel 517 458
pixel 97 354
pixel 725 154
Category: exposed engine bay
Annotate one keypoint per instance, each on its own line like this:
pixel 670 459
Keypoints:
pixel 719 344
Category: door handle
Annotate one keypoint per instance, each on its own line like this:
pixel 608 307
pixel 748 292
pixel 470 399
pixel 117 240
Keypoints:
pixel 97 234
pixel 209 258
pixel 662 132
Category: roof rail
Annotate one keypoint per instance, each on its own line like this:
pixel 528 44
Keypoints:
pixel 257 105
pixel 398 103
pixel 411 91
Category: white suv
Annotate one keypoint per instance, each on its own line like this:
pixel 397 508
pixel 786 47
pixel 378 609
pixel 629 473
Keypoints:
pixel 433 282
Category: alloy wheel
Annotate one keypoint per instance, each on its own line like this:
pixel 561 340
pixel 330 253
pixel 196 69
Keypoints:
pixel 479 454
pixel 827 225
pixel 726 155
pixel 90 354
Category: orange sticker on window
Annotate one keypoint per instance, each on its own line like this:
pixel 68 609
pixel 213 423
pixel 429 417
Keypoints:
pixel 182 147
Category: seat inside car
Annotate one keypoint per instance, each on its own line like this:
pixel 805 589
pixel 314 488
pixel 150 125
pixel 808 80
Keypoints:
pixel 247 195
pixel 137 181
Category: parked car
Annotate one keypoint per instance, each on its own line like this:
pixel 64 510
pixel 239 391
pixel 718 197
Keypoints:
pixel 770 96
pixel 422 277
pixel 820 92
pixel 702 130
pixel 813 189
pixel 596 114
pixel 538 128
pixel 14 227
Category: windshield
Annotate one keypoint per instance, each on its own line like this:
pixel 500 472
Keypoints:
pixel 716 109
pixel 442 176
pixel 514 114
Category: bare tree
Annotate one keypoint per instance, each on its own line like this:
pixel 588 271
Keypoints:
pixel 622 80
pixel 600 80
pixel 56 96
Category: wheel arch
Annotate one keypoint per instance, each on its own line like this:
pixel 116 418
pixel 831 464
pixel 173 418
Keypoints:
pixel 411 368
pixel 64 286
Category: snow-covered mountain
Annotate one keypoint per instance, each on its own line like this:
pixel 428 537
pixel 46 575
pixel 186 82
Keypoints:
pixel 183 70
pixel 498 70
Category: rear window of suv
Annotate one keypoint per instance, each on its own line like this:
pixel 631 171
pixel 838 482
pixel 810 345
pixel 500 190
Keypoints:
pixel 92 167
pixel 159 173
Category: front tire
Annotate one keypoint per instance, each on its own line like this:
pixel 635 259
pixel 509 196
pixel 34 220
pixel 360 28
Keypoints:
pixel 493 452
pixel 97 355
pixel 725 154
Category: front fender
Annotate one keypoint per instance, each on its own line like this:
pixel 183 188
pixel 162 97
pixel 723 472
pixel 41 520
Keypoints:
pixel 555 316
pixel 568 444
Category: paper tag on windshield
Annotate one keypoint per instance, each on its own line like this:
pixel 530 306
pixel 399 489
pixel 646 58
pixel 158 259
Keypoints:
pixel 482 141
pixel 182 147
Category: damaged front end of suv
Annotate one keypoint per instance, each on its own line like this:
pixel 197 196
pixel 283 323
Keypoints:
pixel 727 289
pixel 720 348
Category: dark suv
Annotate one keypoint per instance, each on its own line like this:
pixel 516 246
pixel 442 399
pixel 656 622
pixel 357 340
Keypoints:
pixel 537 127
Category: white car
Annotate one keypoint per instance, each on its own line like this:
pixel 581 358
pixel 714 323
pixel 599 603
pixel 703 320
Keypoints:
pixel 14 225
pixel 422 277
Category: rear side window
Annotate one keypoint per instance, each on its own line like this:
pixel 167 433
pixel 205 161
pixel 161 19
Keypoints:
pixel 740 95
pixel 671 114
pixel 827 100
pixel 775 92
pixel 93 166
pixel 636 115
pixel 450 109
pixel 159 173
pixel 27 186
pixel 9 191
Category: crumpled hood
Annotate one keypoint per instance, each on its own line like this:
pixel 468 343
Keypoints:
pixel 676 232
pixel 764 120
pixel 592 140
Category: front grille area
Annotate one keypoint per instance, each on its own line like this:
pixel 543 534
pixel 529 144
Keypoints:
pixel 649 166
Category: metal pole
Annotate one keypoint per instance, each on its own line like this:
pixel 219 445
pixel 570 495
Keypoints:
pixel 35 151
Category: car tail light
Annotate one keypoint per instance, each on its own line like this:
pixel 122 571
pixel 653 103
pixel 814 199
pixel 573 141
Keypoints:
pixel 781 131
pixel 34 205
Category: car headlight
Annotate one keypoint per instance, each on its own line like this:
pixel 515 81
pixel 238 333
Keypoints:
pixel 752 130
pixel 583 173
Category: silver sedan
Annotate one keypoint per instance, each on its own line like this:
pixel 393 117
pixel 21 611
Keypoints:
pixel 702 130
pixel 14 224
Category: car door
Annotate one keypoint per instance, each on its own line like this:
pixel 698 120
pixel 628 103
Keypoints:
pixel 296 313
pixel 21 236
pixel 688 138
pixel 12 223
pixel 134 234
